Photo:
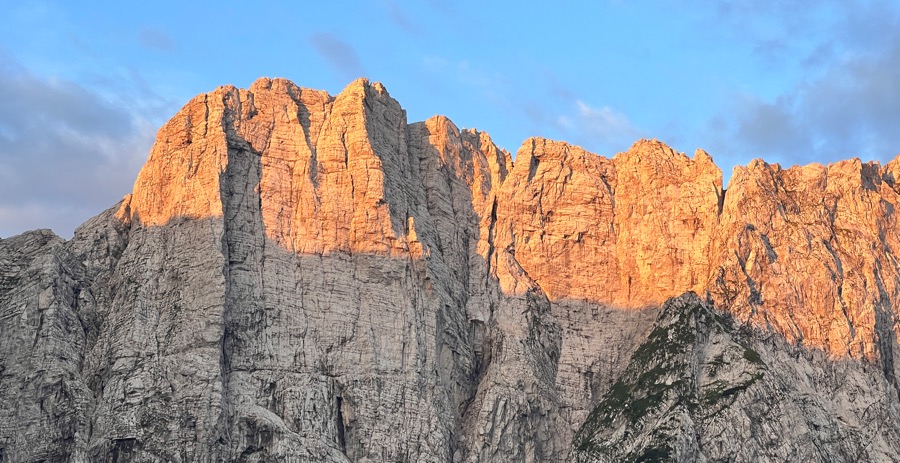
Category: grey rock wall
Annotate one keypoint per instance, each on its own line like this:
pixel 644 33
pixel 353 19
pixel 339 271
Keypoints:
pixel 302 277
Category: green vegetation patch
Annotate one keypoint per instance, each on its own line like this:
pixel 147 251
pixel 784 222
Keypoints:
pixel 655 455
pixel 720 394
pixel 752 356
pixel 660 373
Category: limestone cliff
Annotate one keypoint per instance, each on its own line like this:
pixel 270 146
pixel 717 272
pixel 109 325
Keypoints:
pixel 703 388
pixel 305 277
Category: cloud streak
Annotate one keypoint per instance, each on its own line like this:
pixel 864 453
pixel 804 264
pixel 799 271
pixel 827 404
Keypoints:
pixel 156 39
pixel 340 55
pixel 604 130
pixel 398 17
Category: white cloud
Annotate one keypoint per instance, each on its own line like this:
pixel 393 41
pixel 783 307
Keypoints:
pixel 849 110
pixel 844 102
pixel 66 153
pixel 603 130
pixel 605 123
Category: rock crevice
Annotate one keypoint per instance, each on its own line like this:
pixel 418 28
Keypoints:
pixel 304 277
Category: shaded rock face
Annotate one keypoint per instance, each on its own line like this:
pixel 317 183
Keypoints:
pixel 702 387
pixel 305 277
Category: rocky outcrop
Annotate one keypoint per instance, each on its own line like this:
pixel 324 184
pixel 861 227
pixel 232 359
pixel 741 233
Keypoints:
pixel 630 231
pixel 702 387
pixel 305 277
pixel 809 253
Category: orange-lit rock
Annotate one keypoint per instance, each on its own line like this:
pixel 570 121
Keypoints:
pixel 310 277
pixel 809 252
pixel 630 231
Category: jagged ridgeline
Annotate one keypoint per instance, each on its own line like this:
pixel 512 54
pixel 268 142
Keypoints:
pixel 300 277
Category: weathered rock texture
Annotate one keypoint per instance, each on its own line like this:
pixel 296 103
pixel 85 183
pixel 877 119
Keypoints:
pixel 301 277
pixel 702 388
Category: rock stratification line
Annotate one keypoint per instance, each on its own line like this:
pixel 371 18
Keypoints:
pixel 304 277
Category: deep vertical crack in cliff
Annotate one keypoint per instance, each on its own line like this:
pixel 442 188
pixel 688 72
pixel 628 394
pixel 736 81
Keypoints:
pixel 301 277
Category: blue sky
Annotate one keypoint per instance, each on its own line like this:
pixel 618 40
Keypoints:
pixel 85 85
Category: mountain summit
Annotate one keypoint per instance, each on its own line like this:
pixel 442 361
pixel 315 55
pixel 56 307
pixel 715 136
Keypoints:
pixel 304 277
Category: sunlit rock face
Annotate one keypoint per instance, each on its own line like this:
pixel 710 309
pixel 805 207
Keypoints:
pixel 630 231
pixel 305 277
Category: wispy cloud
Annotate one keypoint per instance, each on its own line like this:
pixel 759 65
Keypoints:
pixel 550 110
pixel 73 152
pixel 848 107
pixel 156 39
pixel 399 17
pixel 446 8
pixel 340 55
pixel 604 129
pixel 493 85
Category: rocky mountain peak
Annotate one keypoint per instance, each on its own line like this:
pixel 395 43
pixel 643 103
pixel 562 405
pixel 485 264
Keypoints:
pixel 304 277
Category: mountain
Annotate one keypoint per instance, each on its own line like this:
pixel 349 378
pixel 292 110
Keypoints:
pixel 304 277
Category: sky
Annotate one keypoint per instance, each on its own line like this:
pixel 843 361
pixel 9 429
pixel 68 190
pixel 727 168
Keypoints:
pixel 84 86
